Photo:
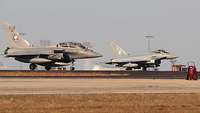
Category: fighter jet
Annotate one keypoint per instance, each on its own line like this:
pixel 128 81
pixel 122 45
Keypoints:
pixel 62 54
pixel 129 62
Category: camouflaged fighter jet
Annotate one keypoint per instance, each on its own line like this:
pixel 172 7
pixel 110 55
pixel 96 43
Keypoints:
pixel 63 54
pixel 129 62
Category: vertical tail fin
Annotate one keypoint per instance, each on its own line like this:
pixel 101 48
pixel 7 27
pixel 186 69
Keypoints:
pixel 118 51
pixel 14 38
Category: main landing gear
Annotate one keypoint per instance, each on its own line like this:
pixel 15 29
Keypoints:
pixel 48 68
pixel 32 66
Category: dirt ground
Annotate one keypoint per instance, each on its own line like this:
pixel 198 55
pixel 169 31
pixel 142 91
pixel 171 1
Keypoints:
pixel 101 103
pixel 95 86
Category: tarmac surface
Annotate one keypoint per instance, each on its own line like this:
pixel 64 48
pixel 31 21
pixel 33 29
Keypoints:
pixel 10 86
pixel 93 74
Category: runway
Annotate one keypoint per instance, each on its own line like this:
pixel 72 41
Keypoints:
pixel 93 74
pixel 11 86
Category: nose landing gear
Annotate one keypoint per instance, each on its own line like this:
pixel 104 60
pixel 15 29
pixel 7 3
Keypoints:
pixel 72 68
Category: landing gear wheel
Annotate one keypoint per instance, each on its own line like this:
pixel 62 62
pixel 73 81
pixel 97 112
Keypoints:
pixel 187 78
pixel 72 68
pixel 32 67
pixel 48 68
pixel 156 69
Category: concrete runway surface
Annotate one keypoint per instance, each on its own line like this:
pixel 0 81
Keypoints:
pixel 94 86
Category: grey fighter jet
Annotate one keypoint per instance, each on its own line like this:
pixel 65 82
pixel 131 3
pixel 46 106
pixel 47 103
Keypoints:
pixel 62 54
pixel 129 62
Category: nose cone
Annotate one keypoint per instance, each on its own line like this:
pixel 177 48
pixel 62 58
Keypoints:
pixel 93 54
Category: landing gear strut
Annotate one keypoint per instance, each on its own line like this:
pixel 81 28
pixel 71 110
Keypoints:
pixel 32 66
pixel 72 68
pixel 144 69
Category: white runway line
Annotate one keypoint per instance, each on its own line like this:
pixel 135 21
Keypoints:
pixel 89 86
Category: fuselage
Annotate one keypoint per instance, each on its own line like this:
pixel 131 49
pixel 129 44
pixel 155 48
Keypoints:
pixel 144 57
pixel 60 55
pixel 55 54
pixel 147 60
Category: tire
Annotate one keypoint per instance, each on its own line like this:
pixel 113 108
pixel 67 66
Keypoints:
pixel 32 67
pixel 72 68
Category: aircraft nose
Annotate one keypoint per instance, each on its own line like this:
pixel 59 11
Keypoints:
pixel 91 54
pixel 96 54
pixel 172 56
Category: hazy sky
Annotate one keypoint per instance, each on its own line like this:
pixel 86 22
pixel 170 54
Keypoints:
pixel 175 24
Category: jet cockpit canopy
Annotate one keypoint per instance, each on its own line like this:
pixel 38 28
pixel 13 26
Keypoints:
pixel 71 45
pixel 160 51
